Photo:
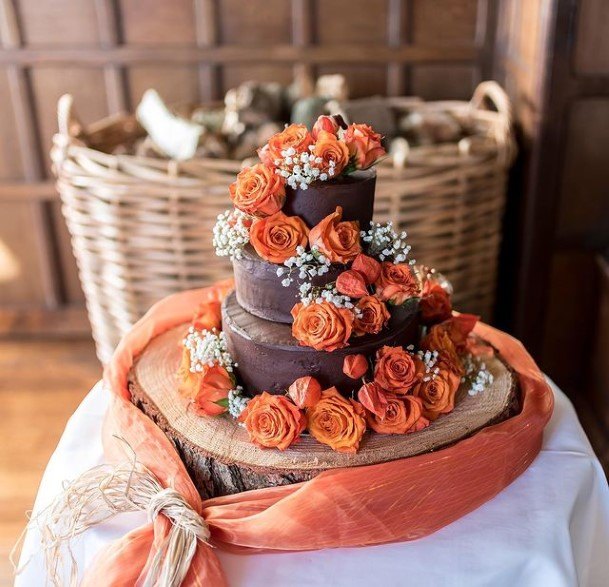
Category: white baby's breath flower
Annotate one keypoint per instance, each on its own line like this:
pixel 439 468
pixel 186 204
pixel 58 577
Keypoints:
pixel 384 243
pixel 231 234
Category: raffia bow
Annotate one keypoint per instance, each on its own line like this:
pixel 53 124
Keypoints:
pixel 100 494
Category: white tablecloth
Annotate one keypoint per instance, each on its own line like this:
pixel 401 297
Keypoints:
pixel 549 528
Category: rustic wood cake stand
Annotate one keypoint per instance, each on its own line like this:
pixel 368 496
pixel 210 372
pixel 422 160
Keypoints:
pixel 221 460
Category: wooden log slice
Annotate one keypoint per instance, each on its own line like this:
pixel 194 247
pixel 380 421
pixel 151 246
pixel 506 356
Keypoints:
pixel 221 460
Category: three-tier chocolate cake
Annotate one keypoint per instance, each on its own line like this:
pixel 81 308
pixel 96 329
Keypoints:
pixel 333 349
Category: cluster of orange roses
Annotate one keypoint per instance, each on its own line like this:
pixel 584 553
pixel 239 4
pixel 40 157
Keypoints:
pixel 324 153
pixel 325 326
pixel 207 388
pixel 405 393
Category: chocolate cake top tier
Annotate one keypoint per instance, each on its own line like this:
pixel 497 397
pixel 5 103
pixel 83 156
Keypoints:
pixel 354 192
pixel 269 358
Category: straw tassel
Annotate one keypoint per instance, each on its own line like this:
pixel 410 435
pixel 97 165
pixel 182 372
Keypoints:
pixel 100 494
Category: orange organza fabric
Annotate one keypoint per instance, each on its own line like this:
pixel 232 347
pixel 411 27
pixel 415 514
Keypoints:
pixel 399 500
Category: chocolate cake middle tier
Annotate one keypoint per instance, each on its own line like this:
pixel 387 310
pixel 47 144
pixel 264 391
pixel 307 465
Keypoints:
pixel 259 289
pixel 269 358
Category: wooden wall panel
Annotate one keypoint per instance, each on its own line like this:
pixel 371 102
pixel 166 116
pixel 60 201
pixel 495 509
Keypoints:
pixel 256 23
pixel 592 44
pixel 446 21
pixel 58 22
pixel 351 21
pixel 20 266
pixel 49 83
pixel 11 166
pixel 583 214
pixel 158 22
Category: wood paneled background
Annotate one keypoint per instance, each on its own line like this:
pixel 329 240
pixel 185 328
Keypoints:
pixel 551 55
pixel 108 52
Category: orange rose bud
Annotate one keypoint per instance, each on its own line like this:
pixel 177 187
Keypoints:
pixel 273 421
pixel 437 394
pixel 402 415
pixel 208 316
pixel 373 316
pixel 331 150
pixel 355 366
pixel 396 283
pixel 338 422
pixel 369 267
pixel 326 124
pixel 214 384
pixel 305 391
pixel 435 303
pixel 373 398
pixel 396 370
pixel 277 237
pixel 364 145
pixel 323 326
pixel 338 241
pixel 351 283
pixel 258 190
pixel 294 136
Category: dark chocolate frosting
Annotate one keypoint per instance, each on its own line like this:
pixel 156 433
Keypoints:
pixel 259 289
pixel 353 192
pixel 269 358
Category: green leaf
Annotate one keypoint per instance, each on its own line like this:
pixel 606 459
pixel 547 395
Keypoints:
pixel 222 402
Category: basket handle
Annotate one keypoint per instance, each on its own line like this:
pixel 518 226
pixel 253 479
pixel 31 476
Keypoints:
pixel 68 123
pixel 492 91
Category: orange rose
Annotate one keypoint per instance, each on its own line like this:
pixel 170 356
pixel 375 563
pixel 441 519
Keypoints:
pixel 331 149
pixel 305 392
pixel 373 398
pixel 273 421
pixel 369 268
pixel 437 393
pixel 396 370
pixel 435 303
pixel 208 316
pixel 373 316
pixel 258 191
pixel 338 241
pixel 396 283
pixel 322 326
pixel 351 283
pixel 364 145
pixel 402 415
pixel 437 339
pixel 277 237
pixel 214 384
pixel 338 422
pixel 355 366
pixel 294 136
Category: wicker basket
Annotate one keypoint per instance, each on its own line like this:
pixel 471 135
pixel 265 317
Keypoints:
pixel 141 227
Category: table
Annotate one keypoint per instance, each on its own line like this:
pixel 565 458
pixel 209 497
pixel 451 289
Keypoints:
pixel 549 528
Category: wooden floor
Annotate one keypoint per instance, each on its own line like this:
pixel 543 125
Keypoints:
pixel 41 384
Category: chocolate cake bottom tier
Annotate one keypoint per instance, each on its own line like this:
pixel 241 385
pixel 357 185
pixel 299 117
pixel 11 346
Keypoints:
pixel 269 358
pixel 221 459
